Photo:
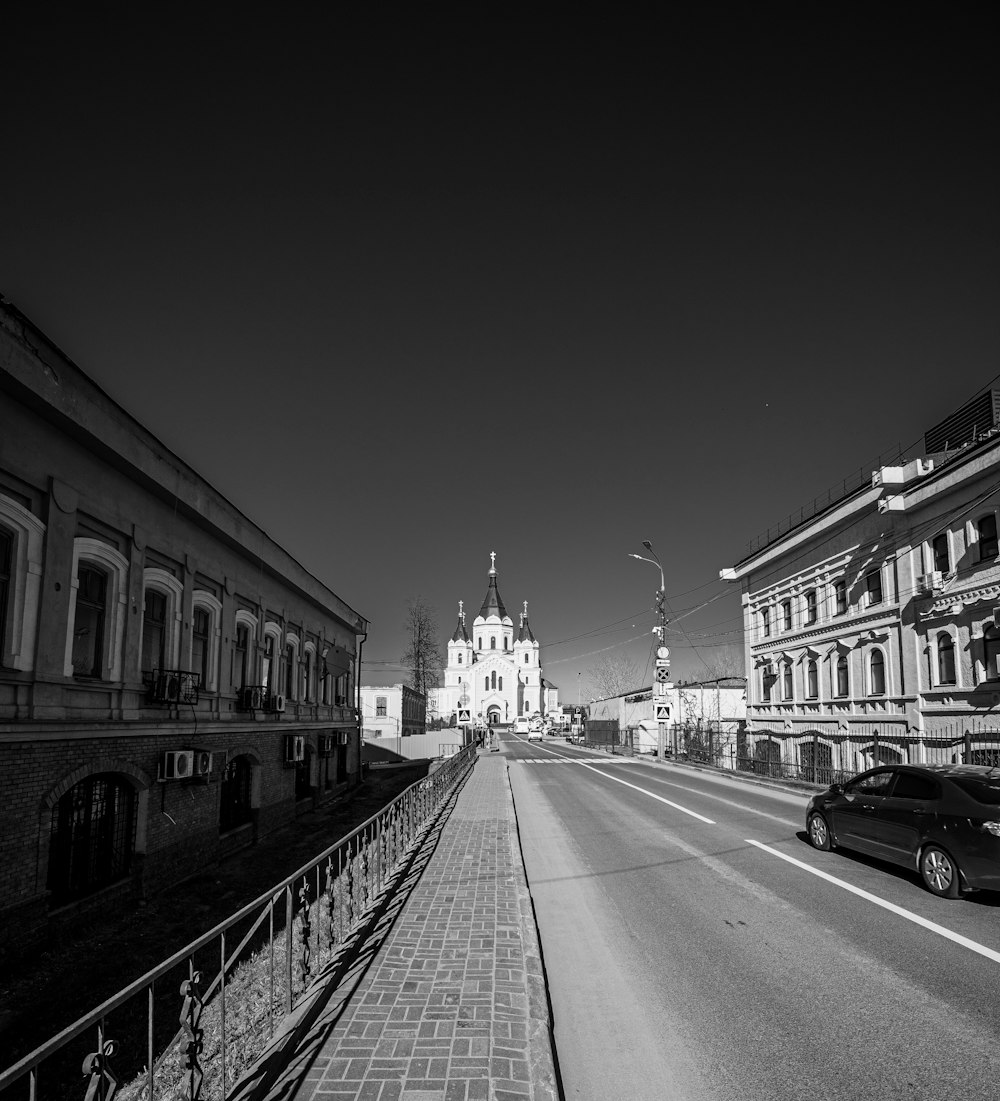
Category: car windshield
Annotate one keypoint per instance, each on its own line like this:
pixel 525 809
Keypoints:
pixel 986 790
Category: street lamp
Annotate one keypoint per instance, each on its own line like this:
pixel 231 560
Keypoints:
pixel 660 630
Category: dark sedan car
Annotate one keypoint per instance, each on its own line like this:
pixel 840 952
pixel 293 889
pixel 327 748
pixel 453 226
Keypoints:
pixel 942 820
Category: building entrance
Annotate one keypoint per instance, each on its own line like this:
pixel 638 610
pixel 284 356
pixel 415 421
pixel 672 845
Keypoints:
pixel 493 715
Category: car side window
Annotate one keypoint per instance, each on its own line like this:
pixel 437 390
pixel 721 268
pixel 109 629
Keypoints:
pixel 909 785
pixel 875 784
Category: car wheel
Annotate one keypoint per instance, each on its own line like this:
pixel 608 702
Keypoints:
pixel 819 832
pixel 939 872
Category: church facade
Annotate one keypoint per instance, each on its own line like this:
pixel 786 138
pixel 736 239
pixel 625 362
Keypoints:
pixel 495 671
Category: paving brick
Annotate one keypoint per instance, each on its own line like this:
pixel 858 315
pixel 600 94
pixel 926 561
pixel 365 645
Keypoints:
pixel 443 1012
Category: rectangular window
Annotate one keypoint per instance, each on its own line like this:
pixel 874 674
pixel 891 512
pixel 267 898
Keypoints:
pixel 873 583
pixel 810 606
pixel 240 648
pixel 766 680
pixel 88 626
pixel 765 622
pixel 939 548
pixel 786 614
pixel 840 596
pixel 380 702
pixel 987 537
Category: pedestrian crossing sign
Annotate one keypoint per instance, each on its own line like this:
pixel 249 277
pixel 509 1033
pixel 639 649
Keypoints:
pixel 662 712
pixel 464 716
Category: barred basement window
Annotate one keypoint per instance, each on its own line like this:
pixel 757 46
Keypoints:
pixel 92 837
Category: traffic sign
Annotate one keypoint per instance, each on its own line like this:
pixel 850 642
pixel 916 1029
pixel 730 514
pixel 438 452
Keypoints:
pixel 662 674
pixel 661 688
pixel 662 711
pixel 662 653
pixel 464 716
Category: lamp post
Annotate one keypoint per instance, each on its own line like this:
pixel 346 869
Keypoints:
pixel 662 653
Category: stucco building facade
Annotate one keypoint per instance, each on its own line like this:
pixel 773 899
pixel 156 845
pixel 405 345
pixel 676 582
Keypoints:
pixel 173 684
pixel 872 628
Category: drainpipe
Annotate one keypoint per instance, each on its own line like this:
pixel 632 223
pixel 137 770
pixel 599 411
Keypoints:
pixel 357 700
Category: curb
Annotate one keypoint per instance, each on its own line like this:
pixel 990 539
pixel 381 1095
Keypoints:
pixel 545 1081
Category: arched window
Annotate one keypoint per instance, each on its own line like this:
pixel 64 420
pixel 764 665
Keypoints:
pixel 876 674
pixel 493 642
pixel 200 643
pixel 235 793
pixel 92 837
pixel 786 680
pixel 154 631
pixel 94 643
pixel 843 686
pixel 493 679
pixel 505 641
pixel 90 621
pixel 946 658
pixel 480 642
pixel 812 680
pixel 525 657
pixel 459 659
pixel 499 684
pixel 290 670
pixel 241 647
pixel 991 652
pixel 21 538
pixel 486 686
pixel 6 558
pixel 941 553
pixel 987 530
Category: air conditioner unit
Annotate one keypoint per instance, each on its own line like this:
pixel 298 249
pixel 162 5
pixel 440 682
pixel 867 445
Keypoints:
pixel 278 703
pixel 295 748
pixel 202 762
pixel 342 737
pixel 166 687
pixel 252 699
pixel 178 764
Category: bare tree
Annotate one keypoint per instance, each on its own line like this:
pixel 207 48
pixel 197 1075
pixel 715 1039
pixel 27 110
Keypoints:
pixel 613 675
pixel 423 654
pixel 728 662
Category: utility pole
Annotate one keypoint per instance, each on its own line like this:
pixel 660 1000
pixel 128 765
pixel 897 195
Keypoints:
pixel 661 683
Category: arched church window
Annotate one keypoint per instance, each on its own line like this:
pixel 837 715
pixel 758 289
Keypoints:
pixel 480 644
pixel 525 658
pixel 486 687
pixel 459 659
pixel 505 642
pixel 493 642
pixel 493 678
pixel 500 684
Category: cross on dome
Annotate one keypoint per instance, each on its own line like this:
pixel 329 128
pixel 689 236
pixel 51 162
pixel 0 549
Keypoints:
pixel 493 561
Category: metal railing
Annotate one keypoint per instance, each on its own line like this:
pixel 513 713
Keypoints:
pixel 192 1025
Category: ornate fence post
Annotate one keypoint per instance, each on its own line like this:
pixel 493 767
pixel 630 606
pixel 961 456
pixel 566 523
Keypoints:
pixel 102 1082
pixel 305 934
pixel 189 1019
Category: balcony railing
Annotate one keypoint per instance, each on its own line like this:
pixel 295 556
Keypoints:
pixel 228 1000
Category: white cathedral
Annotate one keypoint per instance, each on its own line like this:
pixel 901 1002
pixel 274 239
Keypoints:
pixel 494 674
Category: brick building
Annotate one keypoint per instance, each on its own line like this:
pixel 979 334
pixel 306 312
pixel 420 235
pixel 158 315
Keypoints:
pixel 173 684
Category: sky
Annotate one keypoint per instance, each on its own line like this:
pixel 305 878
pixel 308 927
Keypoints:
pixel 411 292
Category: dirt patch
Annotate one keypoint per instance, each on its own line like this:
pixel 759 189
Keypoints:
pixel 44 990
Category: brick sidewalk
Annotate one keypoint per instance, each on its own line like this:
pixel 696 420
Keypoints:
pixel 449 1002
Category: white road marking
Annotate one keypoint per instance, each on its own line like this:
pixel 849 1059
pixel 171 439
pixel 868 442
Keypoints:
pixel 573 761
pixel 619 761
pixel 658 798
pixel 972 945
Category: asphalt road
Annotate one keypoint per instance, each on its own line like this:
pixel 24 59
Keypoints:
pixel 693 952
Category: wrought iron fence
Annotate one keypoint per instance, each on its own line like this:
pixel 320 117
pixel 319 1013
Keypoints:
pixel 190 1027
pixel 823 759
